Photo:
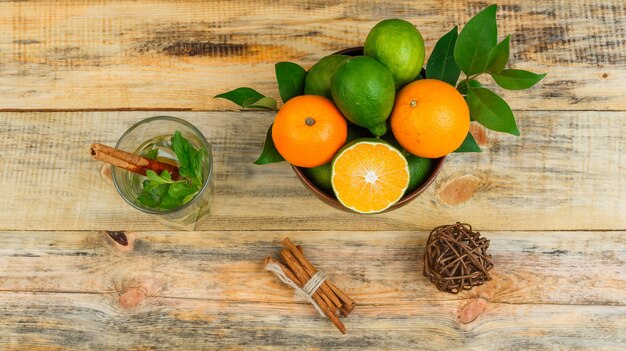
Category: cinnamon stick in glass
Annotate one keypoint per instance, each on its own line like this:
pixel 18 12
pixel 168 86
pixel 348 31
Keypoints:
pixel 130 162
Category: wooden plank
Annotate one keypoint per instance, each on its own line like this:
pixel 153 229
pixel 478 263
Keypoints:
pixel 172 55
pixel 565 172
pixel 199 290
pixel 380 268
pixel 86 321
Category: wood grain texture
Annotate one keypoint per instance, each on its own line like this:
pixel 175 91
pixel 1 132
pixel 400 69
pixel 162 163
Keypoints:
pixel 176 55
pixel 208 290
pixel 565 172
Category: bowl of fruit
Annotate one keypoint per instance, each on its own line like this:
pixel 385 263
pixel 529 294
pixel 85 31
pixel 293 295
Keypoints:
pixel 367 129
pixel 422 171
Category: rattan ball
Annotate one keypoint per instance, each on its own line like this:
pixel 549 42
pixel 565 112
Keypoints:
pixel 456 258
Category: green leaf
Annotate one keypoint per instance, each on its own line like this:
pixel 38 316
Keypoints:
pixel 151 197
pixel 198 162
pixel 464 85
pixel 269 154
pixel 266 103
pixel 469 144
pixel 180 190
pixel 490 110
pixel 147 199
pixel 241 95
pixel 516 79
pixel 475 42
pixel 290 77
pixel 499 56
pixel 181 148
pixel 441 64
pixel 169 202
pixel 152 154
pixel 155 179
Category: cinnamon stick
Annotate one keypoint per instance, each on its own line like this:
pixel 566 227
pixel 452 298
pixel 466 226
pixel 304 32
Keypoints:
pixel 295 266
pixel 320 302
pixel 130 162
pixel 331 290
pixel 343 308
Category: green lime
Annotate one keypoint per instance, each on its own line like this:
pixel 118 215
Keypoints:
pixel 317 80
pixel 419 168
pixel 399 46
pixel 364 91
pixel 320 176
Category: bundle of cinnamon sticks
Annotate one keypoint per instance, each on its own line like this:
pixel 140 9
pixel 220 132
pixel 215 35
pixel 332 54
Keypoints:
pixel 331 300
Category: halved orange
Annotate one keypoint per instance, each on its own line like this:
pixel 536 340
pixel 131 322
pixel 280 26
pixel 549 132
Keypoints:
pixel 369 175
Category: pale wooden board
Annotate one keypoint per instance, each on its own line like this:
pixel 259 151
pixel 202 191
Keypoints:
pixel 206 290
pixel 176 55
pixel 565 172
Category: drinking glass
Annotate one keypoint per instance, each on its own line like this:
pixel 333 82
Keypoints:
pixel 156 132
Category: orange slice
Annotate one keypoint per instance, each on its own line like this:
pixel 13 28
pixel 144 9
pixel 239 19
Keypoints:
pixel 369 175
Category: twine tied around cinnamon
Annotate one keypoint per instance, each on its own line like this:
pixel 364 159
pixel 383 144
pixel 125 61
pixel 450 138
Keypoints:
pixel 307 291
pixel 310 284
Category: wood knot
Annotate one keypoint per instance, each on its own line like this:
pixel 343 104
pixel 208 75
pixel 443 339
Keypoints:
pixel 472 310
pixel 131 297
pixel 123 241
pixel 106 173
pixel 457 190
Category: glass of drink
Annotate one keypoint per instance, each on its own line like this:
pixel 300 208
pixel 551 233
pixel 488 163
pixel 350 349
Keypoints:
pixel 153 136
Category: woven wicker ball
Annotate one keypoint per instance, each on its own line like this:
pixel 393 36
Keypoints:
pixel 456 258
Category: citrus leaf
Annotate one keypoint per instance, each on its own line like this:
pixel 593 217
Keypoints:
pixel 290 78
pixel 241 95
pixel 269 154
pixel 499 56
pixel 441 64
pixel 476 40
pixel 464 85
pixel 490 110
pixel 469 144
pixel 516 79
pixel 266 103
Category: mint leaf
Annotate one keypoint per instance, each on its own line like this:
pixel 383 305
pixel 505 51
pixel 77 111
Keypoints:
pixel 181 147
pixel 265 103
pixel 269 154
pixel 476 40
pixel 151 196
pixel 156 180
pixel 441 64
pixel 240 95
pixel 197 163
pixel 290 77
pixel 469 144
pixel 464 85
pixel 181 190
pixel 516 79
pixel 152 154
pixel 161 192
pixel 490 110
pixel 499 56
pixel 169 202
pixel 147 199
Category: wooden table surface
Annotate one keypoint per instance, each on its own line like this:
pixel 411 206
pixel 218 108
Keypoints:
pixel 553 202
